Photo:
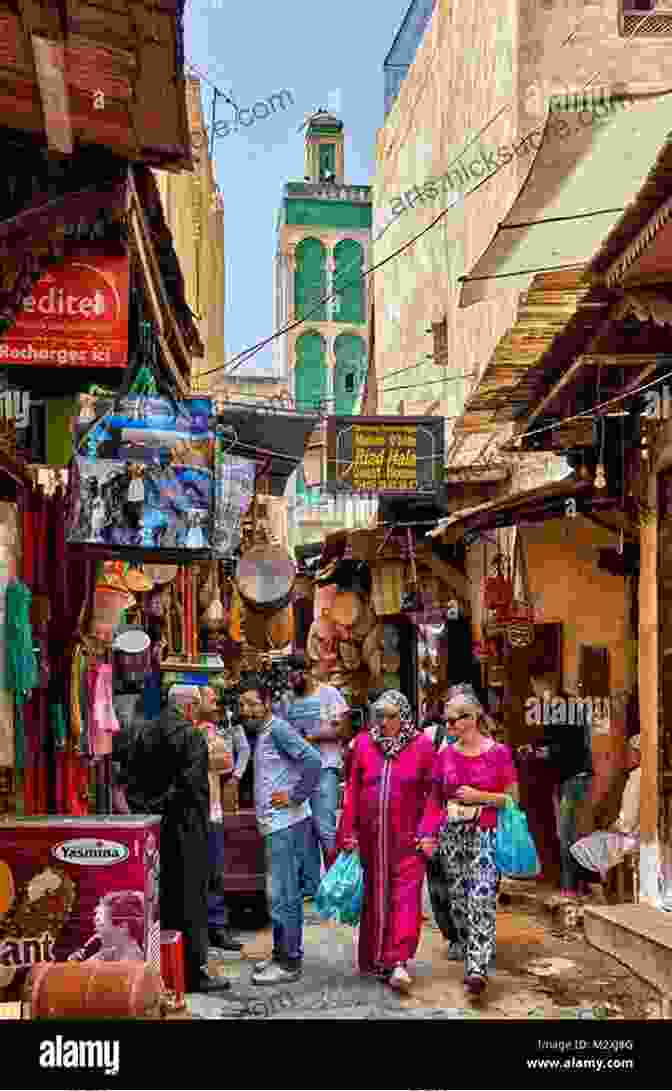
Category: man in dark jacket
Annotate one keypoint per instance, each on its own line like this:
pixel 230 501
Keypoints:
pixel 166 773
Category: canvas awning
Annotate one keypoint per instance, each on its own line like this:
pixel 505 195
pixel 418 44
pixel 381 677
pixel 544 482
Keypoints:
pixel 577 189
pixel 270 437
pixel 530 506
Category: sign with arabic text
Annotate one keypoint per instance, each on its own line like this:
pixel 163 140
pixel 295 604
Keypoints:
pixel 391 455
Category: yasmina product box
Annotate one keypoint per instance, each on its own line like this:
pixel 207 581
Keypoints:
pixel 78 888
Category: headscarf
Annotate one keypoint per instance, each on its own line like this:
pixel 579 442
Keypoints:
pixel 393 746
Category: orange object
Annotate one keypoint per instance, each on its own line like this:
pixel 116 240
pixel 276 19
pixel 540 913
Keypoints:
pixel 172 965
pixel 93 990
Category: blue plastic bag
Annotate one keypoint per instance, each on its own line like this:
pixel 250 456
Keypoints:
pixel 339 895
pixel 516 853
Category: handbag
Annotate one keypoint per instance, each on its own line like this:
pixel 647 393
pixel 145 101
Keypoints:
pixel 462 812
pixel 515 851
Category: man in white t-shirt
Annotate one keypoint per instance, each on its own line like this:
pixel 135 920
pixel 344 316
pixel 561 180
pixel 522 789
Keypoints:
pixel 318 712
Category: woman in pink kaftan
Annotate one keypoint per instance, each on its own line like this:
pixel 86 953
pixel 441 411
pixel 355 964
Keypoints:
pixel 390 780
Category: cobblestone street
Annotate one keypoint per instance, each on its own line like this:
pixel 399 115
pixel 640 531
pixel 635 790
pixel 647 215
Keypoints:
pixel 541 973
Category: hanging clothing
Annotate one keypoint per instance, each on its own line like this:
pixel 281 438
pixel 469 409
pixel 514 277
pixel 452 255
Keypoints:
pixel 383 807
pixel 103 723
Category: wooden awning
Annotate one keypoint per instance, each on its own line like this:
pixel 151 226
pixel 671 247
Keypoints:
pixel 529 506
pixel 109 74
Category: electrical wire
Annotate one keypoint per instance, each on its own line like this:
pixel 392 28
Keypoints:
pixel 246 354
pixel 593 409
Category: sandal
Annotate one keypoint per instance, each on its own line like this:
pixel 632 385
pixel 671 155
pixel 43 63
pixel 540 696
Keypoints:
pixel 475 984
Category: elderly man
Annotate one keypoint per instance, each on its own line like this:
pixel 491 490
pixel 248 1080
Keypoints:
pixel 167 774
pixel 602 850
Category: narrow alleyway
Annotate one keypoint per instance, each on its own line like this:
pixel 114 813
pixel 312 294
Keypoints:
pixel 542 971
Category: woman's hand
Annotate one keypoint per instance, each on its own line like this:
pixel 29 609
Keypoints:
pixel 427 846
pixel 465 794
pixel 280 799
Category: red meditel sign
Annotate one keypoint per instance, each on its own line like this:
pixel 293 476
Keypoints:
pixel 76 316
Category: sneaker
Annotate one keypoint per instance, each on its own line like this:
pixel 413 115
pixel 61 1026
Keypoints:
pixel 275 974
pixel 400 979
pixel 259 967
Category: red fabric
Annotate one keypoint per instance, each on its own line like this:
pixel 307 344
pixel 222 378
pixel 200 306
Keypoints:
pixel 492 771
pixel 172 963
pixel 383 806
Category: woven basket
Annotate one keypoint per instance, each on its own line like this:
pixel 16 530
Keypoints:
pixel 364 624
pixel 280 628
pixel 350 655
pixel 373 643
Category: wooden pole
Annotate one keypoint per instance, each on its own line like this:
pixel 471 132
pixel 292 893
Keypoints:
pixel 649 853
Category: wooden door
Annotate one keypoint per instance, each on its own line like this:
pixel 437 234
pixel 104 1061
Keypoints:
pixel 543 656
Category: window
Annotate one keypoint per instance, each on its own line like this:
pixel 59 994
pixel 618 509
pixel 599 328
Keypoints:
pixel 310 372
pixel 310 280
pixel 327 162
pixel 645 19
pixel 349 371
pixel 348 281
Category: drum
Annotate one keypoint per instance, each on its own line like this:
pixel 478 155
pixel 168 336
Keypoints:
pixel 265 578
pixel 93 990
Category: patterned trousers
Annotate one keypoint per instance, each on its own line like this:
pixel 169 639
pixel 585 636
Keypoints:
pixel 470 880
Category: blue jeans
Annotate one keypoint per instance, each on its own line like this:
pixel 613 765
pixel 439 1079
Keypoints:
pixel 285 852
pixel 218 915
pixel 322 832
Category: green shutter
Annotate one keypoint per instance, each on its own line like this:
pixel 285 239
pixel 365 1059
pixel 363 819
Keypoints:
pixel 350 354
pixel 348 281
pixel 310 280
pixel 327 161
pixel 310 372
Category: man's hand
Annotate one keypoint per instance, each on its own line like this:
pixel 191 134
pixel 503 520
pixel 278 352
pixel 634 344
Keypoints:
pixel 280 799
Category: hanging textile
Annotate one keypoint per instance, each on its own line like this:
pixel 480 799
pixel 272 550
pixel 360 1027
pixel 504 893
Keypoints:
pixel 22 676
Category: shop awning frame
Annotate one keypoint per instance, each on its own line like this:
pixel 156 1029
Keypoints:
pixel 527 507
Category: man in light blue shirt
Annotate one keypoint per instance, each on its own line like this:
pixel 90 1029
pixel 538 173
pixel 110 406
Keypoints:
pixel 286 770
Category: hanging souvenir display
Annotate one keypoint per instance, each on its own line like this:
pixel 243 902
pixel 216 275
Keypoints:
pixel 155 476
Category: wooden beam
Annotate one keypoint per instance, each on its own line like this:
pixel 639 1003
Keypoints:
pixel 452 576
pixel 648 669
pixel 523 426
pixel 613 359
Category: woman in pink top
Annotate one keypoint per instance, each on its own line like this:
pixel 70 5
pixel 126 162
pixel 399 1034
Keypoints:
pixel 472 779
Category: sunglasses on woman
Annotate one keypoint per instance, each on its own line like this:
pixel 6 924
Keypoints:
pixel 456 719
